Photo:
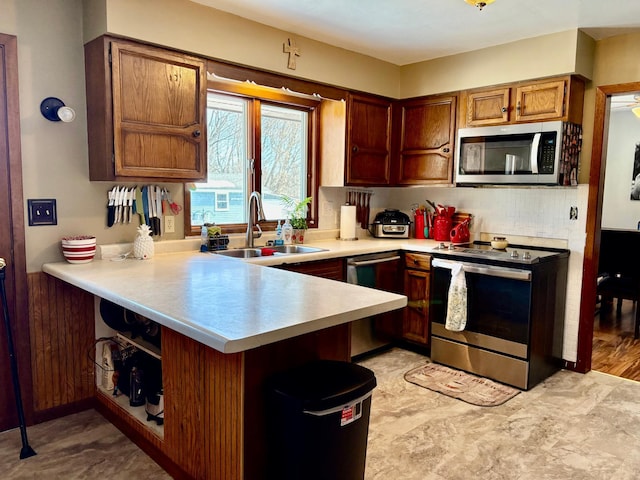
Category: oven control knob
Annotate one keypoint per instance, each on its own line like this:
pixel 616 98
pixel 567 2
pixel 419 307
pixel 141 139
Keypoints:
pixel 526 256
pixel 441 246
pixel 514 254
pixel 452 246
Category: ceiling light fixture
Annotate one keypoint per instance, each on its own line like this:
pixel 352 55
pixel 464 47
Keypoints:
pixel 636 111
pixel 478 3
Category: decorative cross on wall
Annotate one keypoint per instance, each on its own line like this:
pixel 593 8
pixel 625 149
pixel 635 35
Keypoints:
pixel 293 51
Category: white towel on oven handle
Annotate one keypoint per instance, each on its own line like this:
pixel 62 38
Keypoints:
pixel 456 320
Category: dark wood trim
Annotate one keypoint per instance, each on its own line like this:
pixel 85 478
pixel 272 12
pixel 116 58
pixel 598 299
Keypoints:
pixel 64 410
pixel 594 217
pixel 16 273
pixel 100 111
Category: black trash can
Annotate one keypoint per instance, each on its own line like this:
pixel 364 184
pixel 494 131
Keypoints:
pixel 319 421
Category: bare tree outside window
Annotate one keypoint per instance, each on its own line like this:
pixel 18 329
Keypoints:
pixel 284 149
pixel 283 162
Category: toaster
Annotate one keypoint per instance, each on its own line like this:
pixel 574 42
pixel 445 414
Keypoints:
pixel 391 223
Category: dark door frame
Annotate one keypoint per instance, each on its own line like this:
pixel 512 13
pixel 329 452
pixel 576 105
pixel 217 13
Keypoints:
pixel 594 218
pixel 12 228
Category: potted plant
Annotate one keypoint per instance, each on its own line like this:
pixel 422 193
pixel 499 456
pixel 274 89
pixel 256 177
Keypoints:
pixel 297 211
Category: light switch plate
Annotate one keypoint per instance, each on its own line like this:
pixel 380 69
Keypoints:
pixel 42 212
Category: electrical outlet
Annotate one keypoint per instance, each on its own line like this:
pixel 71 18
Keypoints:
pixel 169 224
pixel 573 213
pixel 42 212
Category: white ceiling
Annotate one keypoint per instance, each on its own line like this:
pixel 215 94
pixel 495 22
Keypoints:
pixel 409 31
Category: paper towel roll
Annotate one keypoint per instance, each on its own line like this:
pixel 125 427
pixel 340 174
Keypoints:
pixel 348 222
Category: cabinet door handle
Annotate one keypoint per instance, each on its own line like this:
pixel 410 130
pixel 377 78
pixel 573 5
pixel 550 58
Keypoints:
pixel 504 109
pixel 445 149
pixel 518 106
pixel 355 149
pixel 196 133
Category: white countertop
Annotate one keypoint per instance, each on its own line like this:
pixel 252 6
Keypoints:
pixel 234 305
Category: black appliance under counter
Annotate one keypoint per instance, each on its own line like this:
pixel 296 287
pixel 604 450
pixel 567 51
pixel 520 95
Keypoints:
pixel 515 312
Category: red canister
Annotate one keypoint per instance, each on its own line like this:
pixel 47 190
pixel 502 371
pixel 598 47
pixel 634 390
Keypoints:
pixel 442 228
pixel 419 225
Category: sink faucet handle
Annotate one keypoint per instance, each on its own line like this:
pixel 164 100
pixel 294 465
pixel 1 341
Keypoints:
pixel 259 233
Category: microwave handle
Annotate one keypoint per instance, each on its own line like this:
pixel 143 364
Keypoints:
pixel 535 150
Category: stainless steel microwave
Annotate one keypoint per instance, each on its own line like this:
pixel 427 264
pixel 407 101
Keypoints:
pixel 544 153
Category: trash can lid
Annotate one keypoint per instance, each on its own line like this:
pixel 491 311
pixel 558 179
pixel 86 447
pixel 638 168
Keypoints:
pixel 324 384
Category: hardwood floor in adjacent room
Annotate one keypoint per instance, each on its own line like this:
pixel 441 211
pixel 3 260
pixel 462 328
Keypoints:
pixel 615 351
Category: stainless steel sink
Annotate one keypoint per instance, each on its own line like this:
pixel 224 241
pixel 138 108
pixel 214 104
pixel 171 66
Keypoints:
pixel 295 249
pixel 256 252
pixel 241 253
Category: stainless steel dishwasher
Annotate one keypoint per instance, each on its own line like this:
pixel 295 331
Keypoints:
pixel 382 271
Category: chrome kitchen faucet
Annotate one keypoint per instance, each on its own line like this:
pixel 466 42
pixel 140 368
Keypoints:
pixel 255 204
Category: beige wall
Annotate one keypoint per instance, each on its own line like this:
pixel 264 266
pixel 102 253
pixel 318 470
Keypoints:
pixel 195 28
pixel 54 154
pixel 615 61
pixel 531 58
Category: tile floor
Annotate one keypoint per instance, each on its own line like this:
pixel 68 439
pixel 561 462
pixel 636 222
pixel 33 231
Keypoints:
pixel 571 426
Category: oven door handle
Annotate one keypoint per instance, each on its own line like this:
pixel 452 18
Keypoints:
pixel 362 263
pixel 491 270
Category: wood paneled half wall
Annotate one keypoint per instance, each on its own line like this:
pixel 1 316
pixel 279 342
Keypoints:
pixel 61 320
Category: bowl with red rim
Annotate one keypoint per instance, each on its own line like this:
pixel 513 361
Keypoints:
pixel 79 248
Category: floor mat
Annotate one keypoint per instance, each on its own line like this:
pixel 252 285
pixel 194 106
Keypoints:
pixel 461 385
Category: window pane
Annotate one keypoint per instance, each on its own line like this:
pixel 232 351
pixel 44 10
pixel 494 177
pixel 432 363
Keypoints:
pixel 284 157
pixel 227 124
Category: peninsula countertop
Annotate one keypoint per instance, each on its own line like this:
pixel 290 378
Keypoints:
pixel 229 304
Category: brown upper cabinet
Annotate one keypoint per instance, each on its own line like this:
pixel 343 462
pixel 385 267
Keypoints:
pixel 146 111
pixel 424 134
pixel 368 140
pixel 488 107
pixel 558 98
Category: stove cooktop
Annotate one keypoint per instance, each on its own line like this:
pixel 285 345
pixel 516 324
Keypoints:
pixel 517 254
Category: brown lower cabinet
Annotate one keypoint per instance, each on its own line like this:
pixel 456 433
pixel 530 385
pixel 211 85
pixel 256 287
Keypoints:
pixel 333 269
pixel 417 284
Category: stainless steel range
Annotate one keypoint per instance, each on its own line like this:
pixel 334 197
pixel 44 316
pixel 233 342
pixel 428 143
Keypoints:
pixel 515 311
pixel 513 256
